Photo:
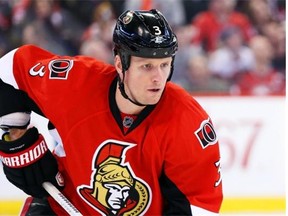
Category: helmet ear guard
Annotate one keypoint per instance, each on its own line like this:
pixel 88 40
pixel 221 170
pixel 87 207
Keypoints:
pixel 125 58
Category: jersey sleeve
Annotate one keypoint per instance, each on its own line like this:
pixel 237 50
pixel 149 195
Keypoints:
pixel 53 82
pixel 6 71
pixel 191 181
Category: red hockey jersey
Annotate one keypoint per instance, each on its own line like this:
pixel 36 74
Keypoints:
pixel 166 163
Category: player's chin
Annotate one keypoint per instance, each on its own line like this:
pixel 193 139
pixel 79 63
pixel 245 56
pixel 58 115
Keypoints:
pixel 153 98
pixel 153 101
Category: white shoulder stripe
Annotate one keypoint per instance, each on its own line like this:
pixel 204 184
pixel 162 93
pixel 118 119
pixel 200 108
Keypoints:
pixel 6 68
pixel 196 211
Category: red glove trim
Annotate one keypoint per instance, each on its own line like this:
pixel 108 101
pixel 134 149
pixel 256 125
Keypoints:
pixel 27 156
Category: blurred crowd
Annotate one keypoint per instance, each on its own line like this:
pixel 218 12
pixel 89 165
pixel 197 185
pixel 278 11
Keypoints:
pixel 234 47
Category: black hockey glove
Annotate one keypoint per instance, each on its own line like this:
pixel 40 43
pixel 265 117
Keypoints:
pixel 27 163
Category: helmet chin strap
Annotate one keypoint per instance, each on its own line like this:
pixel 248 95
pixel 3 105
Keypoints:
pixel 123 93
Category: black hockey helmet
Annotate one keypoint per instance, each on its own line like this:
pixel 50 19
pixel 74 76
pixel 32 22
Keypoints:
pixel 143 34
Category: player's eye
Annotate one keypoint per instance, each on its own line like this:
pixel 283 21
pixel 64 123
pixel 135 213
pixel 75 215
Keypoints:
pixel 147 66
pixel 164 65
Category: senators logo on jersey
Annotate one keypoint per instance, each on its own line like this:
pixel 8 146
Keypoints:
pixel 59 68
pixel 114 188
pixel 206 134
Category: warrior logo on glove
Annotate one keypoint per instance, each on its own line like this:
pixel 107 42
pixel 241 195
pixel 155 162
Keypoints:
pixel 27 157
pixel 114 189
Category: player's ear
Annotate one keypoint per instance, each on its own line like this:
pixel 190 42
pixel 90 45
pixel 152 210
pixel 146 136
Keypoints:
pixel 118 64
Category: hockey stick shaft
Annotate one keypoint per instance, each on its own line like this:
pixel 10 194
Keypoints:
pixel 61 199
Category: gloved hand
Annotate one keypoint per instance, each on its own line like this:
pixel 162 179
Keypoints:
pixel 27 163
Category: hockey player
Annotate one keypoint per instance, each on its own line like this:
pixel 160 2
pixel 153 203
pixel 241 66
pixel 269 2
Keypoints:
pixel 131 142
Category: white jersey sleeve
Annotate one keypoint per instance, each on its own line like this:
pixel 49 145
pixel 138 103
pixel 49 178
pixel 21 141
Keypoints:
pixel 6 71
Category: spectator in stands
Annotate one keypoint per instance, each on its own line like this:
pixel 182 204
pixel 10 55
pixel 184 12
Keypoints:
pixel 268 19
pixel 193 7
pixel 5 14
pixel 84 10
pixel 200 80
pixel 275 32
pixel 186 51
pixel 232 58
pixel 96 48
pixel 58 24
pixel 36 33
pixel 5 26
pixel 101 26
pixel 173 10
pixel 263 79
pixel 220 15
pixel 261 12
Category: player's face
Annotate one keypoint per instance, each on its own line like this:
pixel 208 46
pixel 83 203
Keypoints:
pixel 146 78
